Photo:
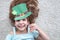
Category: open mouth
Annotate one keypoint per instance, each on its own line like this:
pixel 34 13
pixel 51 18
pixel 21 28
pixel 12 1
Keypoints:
pixel 21 26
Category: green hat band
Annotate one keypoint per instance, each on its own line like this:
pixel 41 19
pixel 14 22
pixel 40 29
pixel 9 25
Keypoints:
pixel 23 17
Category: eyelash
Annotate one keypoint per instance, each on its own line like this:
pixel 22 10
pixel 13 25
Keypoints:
pixel 22 19
pixel 18 20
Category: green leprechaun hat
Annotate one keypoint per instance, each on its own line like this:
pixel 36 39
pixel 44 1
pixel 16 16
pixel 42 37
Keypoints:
pixel 21 11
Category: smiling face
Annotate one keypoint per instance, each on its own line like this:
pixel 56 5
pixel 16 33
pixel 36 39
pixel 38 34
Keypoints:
pixel 21 25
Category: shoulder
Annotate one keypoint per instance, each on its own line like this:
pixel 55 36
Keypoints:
pixel 9 35
pixel 11 32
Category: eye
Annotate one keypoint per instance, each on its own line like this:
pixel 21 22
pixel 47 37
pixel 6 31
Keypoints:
pixel 17 20
pixel 24 19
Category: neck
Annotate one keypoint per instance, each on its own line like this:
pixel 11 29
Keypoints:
pixel 21 32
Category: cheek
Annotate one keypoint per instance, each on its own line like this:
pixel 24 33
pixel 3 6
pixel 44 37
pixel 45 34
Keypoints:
pixel 27 23
pixel 16 23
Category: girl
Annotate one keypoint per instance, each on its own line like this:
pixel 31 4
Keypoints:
pixel 22 15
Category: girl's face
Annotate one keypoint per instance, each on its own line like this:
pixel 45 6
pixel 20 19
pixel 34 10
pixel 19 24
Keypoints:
pixel 21 25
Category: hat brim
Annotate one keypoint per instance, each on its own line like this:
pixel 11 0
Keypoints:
pixel 23 17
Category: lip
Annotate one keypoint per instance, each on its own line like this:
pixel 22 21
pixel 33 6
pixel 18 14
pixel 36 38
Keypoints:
pixel 21 26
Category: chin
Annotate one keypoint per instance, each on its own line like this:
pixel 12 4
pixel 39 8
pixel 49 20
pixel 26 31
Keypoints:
pixel 22 29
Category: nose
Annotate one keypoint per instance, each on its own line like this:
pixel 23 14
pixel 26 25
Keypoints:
pixel 21 21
